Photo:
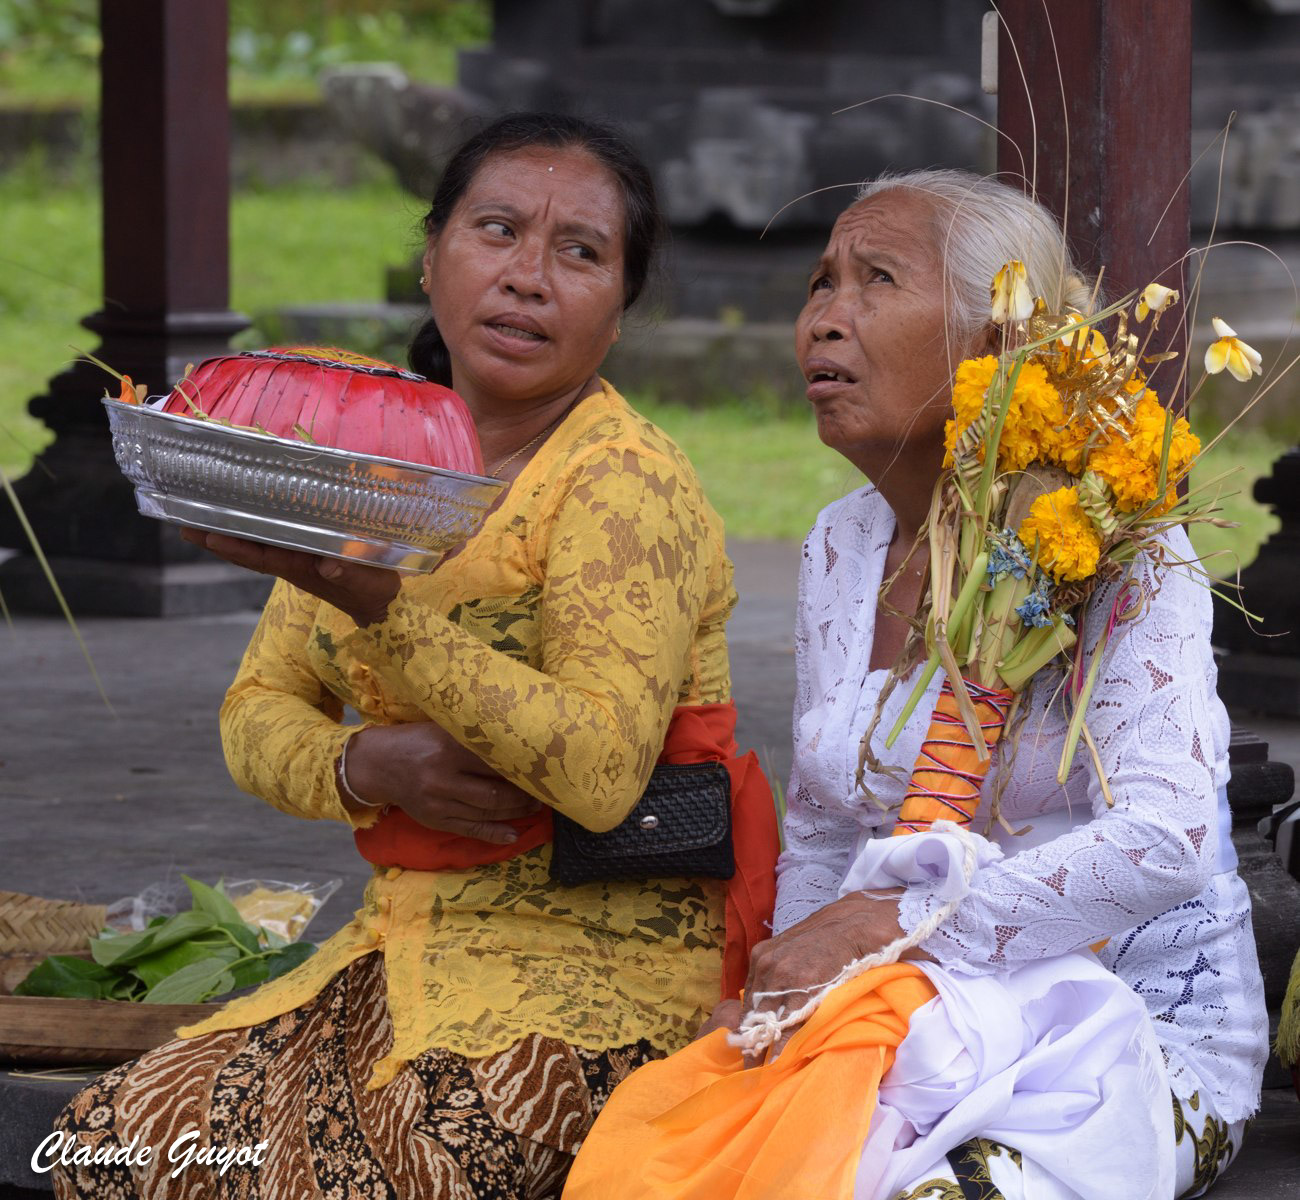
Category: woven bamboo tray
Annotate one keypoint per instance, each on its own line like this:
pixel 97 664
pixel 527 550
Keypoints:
pixel 46 1030
pixel 30 925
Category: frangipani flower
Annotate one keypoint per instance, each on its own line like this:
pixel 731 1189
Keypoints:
pixel 1010 294
pixel 1230 351
pixel 1155 298
pixel 1088 343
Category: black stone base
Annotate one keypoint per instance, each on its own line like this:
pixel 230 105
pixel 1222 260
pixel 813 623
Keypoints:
pixel 94 587
pixel 28 1108
pixel 1262 683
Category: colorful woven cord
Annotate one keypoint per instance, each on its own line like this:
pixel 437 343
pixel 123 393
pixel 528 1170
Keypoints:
pixel 948 774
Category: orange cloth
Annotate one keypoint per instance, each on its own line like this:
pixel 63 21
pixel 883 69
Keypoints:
pixel 696 733
pixel 698 1126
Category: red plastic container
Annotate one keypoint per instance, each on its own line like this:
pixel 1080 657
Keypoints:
pixel 340 399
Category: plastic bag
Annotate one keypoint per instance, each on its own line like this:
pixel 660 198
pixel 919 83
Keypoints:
pixel 282 909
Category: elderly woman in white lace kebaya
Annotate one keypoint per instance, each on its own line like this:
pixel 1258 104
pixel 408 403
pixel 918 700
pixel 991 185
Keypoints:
pixel 898 298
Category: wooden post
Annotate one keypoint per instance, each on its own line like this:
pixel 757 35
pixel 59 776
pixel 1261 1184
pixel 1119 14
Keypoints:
pixel 1113 158
pixel 165 150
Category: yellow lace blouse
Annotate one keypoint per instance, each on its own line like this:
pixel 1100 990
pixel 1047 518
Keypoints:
pixel 555 645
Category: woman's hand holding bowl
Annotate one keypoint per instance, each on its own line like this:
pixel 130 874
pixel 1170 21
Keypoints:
pixel 358 589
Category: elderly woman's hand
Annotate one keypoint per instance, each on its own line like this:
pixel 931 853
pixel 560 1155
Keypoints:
pixel 363 592
pixel 725 1016
pixel 813 952
pixel 424 771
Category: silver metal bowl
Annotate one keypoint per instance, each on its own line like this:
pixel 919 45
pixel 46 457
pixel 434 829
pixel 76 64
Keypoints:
pixel 291 494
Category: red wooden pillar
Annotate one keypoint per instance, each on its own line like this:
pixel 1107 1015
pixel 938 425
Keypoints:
pixel 1116 152
pixel 165 150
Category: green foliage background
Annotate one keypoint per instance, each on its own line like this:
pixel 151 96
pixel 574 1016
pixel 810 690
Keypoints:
pixel 49 48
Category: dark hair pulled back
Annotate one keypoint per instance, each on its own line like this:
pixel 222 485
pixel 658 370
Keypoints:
pixel 642 222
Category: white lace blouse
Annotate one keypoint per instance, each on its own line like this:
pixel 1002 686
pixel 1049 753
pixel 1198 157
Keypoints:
pixel 1155 874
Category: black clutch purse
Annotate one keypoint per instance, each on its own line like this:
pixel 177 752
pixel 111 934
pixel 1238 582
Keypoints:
pixel 681 826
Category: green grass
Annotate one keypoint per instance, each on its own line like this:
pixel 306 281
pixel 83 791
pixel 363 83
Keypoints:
pixel 49 49
pixel 1247 454
pixel 297 245
pixel 766 472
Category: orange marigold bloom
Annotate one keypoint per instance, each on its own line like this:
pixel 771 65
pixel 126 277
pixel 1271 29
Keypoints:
pixel 1130 462
pixel 1064 540
pixel 1033 420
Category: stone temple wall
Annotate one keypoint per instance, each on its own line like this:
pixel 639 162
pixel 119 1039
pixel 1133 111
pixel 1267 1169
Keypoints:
pixel 738 104
pixel 734 105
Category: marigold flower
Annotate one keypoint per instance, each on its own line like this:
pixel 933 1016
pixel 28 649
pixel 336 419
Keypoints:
pixel 1155 298
pixel 1033 421
pixel 1129 460
pixel 1066 543
pixel 1241 360
pixel 1010 294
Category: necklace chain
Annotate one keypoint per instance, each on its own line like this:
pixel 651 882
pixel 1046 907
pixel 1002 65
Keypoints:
pixel 528 445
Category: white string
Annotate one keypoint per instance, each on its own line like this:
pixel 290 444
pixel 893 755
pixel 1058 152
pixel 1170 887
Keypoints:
pixel 760 1030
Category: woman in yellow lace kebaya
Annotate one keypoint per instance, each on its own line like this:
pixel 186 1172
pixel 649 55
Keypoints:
pixel 457 1038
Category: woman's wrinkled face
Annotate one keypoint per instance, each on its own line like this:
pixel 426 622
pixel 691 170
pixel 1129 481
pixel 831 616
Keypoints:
pixel 871 338
pixel 526 278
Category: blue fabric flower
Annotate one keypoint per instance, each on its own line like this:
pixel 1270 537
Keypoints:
pixel 1007 556
pixel 1036 609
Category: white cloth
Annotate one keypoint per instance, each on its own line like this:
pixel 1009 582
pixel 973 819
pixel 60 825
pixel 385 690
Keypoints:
pixel 1150 874
pixel 1055 1058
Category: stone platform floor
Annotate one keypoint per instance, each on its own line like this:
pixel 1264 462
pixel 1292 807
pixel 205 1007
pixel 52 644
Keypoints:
pixel 98 805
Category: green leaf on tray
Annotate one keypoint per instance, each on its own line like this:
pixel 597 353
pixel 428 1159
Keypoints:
pixel 63 975
pixel 245 935
pixel 213 901
pixel 122 949
pixel 127 987
pixel 156 967
pixel 248 972
pixel 284 961
pixel 182 959
pixel 194 983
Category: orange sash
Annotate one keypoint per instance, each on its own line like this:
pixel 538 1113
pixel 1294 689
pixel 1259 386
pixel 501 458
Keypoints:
pixel 698 1126
pixel 696 733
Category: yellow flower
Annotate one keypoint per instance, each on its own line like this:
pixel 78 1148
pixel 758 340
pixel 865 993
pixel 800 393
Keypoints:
pixel 1010 294
pixel 1155 298
pixel 969 387
pixel 1230 351
pixel 1088 343
pixel 1065 541
pixel 1033 420
pixel 1129 459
